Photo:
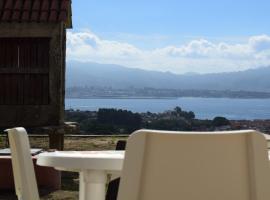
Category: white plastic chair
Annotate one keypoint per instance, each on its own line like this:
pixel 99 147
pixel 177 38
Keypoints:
pixel 163 165
pixel 22 164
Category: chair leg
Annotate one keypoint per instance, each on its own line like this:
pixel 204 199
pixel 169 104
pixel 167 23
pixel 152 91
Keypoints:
pixel 113 189
pixel 114 184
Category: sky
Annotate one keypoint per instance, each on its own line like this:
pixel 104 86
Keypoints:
pixel 180 36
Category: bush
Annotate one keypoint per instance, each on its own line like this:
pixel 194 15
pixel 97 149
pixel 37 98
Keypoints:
pixel 220 121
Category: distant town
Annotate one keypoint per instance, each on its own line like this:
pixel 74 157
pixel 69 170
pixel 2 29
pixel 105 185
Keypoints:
pixel 131 92
pixel 259 125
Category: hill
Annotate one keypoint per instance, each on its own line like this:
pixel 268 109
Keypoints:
pixel 115 76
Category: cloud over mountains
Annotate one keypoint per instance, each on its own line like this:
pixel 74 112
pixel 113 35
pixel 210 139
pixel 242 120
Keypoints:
pixel 200 55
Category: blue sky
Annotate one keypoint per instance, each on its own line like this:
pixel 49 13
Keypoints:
pixel 183 33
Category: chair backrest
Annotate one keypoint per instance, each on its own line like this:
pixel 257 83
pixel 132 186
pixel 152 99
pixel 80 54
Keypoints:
pixel 22 164
pixel 168 165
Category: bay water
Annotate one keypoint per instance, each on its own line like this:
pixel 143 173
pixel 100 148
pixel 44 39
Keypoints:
pixel 204 108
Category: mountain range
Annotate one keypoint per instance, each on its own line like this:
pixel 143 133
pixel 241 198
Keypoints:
pixel 115 76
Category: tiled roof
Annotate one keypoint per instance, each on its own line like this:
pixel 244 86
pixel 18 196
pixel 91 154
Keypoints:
pixel 36 11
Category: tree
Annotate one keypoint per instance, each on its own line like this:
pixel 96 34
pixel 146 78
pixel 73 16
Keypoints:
pixel 220 121
pixel 123 120
pixel 178 110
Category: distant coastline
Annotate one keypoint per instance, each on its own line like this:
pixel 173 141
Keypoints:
pixel 154 93
pixel 120 97
pixel 204 108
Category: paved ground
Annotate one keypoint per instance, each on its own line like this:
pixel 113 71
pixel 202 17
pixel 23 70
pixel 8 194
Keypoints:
pixel 58 195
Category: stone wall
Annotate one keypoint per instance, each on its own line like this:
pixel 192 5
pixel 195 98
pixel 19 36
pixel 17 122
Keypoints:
pixel 39 115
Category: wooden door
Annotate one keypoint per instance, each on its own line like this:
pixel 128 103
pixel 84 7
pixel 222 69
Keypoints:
pixel 24 71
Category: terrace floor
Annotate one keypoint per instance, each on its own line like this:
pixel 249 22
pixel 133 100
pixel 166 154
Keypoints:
pixel 70 180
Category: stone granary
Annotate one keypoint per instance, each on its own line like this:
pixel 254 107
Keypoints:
pixel 32 61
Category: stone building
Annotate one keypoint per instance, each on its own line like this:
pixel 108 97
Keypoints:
pixel 32 61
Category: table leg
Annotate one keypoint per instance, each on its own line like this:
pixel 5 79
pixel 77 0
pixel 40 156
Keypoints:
pixel 93 185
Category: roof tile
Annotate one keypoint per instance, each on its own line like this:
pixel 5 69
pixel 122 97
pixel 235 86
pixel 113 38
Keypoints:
pixel 43 16
pixel 55 5
pixel 9 4
pixel 27 5
pixel 54 11
pixel 64 4
pixel 26 10
pixel 36 5
pixel 44 11
pixel 1 8
pixel 6 15
pixel 36 11
pixel 17 10
pixel 45 5
pixel 18 5
pixel 1 5
pixel 7 10
pixel 63 15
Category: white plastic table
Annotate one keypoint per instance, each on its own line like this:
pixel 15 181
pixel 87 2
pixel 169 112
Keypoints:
pixel 93 166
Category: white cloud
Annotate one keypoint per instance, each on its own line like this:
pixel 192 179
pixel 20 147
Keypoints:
pixel 199 55
pixel 260 43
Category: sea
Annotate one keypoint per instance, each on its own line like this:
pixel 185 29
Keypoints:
pixel 204 108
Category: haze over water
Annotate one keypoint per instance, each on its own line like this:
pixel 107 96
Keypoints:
pixel 204 108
